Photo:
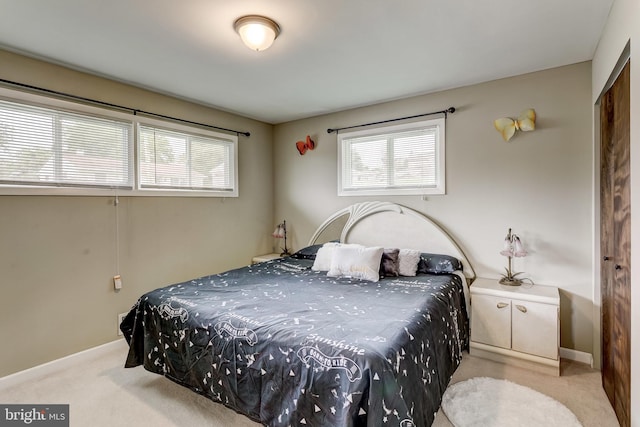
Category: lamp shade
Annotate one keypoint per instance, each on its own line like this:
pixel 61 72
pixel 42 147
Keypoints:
pixel 512 246
pixel 518 248
pixel 257 32
pixel 507 247
pixel 278 233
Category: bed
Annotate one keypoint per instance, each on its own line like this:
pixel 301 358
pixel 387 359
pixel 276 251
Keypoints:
pixel 288 343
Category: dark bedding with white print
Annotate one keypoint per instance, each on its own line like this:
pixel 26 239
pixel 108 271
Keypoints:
pixel 288 346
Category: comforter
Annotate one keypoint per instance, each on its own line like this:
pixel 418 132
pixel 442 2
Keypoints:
pixel 286 345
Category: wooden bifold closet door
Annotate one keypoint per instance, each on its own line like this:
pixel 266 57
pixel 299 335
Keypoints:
pixel 615 245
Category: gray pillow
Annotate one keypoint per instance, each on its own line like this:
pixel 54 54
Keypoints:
pixel 389 265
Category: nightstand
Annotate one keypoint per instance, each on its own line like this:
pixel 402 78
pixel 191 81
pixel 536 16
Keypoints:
pixel 519 325
pixel 262 258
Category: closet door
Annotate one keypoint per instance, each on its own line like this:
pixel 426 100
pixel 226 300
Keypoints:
pixel 615 235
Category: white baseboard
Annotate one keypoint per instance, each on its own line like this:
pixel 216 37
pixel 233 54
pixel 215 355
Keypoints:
pixel 60 364
pixel 577 356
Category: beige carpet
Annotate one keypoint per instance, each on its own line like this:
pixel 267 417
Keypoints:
pixel 102 393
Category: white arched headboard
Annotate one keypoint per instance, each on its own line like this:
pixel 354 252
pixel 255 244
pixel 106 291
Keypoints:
pixel 394 226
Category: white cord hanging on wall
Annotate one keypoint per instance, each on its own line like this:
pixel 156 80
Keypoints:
pixel 117 280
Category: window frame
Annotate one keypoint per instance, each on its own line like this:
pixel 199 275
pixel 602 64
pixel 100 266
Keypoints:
pixel 440 165
pixel 28 98
pixel 192 131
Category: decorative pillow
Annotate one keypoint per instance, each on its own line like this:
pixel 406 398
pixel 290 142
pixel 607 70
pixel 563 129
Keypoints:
pixel 307 253
pixel 438 264
pixel 408 260
pixel 324 255
pixel 389 263
pixel 356 262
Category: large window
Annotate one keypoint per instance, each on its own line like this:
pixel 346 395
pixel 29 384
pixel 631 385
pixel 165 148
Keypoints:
pixel 394 160
pixel 50 146
pixel 185 160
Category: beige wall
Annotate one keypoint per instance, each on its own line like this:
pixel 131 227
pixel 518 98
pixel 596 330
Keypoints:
pixel 623 26
pixel 58 254
pixel 540 183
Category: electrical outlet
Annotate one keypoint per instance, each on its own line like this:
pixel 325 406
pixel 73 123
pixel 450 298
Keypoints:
pixel 121 317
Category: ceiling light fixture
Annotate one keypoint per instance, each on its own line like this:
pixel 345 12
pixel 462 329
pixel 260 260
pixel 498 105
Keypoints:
pixel 257 32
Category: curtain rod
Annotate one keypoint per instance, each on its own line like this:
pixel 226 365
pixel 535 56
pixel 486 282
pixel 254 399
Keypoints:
pixel 135 111
pixel 449 110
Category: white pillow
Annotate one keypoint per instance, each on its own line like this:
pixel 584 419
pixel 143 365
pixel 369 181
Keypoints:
pixel 357 262
pixel 325 253
pixel 408 260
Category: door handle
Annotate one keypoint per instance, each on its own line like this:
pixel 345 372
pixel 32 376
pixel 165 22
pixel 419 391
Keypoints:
pixel 522 308
pixel 618 267
pixel 606 258
pixel 502 305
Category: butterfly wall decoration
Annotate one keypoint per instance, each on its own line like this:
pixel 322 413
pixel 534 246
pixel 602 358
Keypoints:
pixel 303 146
pixel 525 122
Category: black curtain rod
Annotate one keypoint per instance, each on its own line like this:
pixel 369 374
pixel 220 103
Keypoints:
pixel 449 110
pixel 119 107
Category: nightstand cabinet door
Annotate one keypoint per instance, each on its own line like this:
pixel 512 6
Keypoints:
pixel 491 320
pixel 534 328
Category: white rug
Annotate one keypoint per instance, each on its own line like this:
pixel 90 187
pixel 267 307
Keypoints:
pixel 488 402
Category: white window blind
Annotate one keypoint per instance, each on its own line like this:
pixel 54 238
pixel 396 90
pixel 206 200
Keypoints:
pixel 180 160
pixel 403 159
pixel 53 147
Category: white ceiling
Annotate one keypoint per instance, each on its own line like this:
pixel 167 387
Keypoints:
pixel 331 54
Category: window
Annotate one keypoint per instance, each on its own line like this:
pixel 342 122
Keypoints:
pixel 50 146
pixel 395 160
pixel 182 160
